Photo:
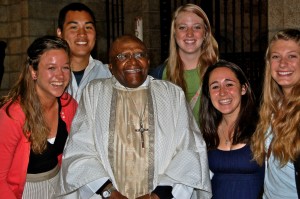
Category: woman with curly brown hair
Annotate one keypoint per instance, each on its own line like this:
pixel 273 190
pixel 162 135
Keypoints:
pixel 277 137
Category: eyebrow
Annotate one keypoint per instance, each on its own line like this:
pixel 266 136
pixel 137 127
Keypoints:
pixel 192 24
pixel 76 22
pixel 137 50
pixel 226 80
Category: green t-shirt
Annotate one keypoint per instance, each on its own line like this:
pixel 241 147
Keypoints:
pixel 192 79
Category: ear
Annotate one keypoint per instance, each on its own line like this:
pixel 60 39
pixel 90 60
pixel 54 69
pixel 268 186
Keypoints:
pixel 244 89
pixel 58 32
pixel 33 73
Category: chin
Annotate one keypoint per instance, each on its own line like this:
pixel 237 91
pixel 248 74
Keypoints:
pixel 133 85
pixel 58 94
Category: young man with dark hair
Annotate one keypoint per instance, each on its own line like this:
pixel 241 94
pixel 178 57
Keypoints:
pixel 76 24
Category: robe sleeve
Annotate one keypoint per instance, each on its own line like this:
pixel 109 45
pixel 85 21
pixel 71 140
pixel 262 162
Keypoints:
pixel 90 189
pixel 180 148
pixel 82 163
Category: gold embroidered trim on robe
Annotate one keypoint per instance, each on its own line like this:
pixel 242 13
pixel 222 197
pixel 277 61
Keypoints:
pixel 133 166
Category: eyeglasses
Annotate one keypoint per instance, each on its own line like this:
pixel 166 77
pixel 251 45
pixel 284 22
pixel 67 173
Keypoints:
pixel 127 56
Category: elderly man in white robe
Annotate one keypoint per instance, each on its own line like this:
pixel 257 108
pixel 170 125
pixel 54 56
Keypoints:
pixel 134 136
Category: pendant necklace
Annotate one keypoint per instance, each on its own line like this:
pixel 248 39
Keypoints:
pixel 227 141
pixel 141 129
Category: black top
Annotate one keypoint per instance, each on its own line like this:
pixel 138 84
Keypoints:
pixel 78 75
pixel 39 163
pixel 158 71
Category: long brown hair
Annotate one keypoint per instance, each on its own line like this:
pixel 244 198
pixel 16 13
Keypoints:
pixel 279 112
pixel 210 117
pixel 209 48
pixel 24 92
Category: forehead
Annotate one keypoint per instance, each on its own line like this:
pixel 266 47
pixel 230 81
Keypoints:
pixel 52 55
pixel 78 16
pixel 185 17
pixel 222 73
pixel 128 45
pixel 281 44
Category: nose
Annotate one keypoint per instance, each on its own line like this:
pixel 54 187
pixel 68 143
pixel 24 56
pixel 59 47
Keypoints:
pixel 81 32
pixel 132 59
pixel 190 32
pixel 283 62
pixel 222 91
pixel 59 72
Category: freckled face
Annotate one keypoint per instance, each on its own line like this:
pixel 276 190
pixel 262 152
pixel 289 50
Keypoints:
pixel 53 74
pixel 225 91
pixel 189 33
pixel 285 63
pixel 131 72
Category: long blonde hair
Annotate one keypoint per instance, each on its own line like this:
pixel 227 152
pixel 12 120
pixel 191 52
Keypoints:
pixel 24 92
pixel 209 48
pixel 280 113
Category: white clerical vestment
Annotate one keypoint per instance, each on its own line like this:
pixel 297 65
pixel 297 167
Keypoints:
pixel 150 128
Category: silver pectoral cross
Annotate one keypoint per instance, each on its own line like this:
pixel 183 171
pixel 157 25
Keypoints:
pixel 142 130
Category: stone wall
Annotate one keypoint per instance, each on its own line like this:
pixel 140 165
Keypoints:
pixel 11 32
pixel 21 21
pixel 283 14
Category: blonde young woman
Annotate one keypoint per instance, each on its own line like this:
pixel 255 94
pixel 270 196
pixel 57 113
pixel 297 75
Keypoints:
pixel 276 140
pixel 192 49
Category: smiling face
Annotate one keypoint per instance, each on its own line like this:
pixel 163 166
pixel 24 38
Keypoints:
pixel 53 74
pixel 285 64
pixel 189 33
pixel 80 33
pixel 226 91
pixel 129 61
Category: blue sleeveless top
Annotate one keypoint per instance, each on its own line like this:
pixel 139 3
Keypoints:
pixel 236 175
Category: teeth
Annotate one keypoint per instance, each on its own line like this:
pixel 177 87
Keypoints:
pixel 57 83
pixel 81 42
pixel 284 73
pixel 189 41
pixel 133 71
pixel 225 101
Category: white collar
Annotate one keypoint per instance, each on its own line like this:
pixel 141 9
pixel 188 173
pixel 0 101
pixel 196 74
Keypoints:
pixel 144 85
